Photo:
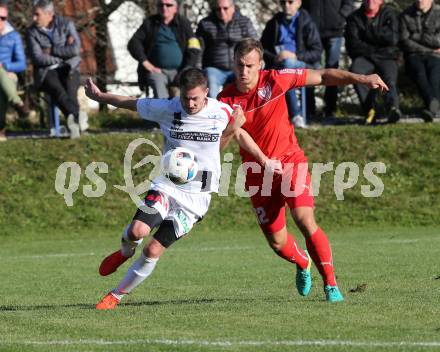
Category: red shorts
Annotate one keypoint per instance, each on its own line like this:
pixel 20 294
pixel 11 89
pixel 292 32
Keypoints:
pixel 292 188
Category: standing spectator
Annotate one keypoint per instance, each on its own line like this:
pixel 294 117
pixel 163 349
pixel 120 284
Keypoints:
pixel 420 40
pixel 218 34
pixel 330 17
pixel 12 61
pixel 54 48
pixel 372 36
pixel 291 40
pixel 164 45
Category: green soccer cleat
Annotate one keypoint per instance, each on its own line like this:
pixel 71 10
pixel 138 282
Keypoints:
pixel 304 278
pixel 332 294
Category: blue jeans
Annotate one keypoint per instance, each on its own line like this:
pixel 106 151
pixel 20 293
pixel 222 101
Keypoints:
pixel 332 49
pixel 216 79
pixel 291 100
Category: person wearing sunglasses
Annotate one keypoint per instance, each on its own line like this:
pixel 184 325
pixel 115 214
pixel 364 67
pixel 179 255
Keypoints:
pixel 164 45
pixel 371 39
pixel 54 48
pixel 218 34
pixel 291 41
pixel 12 61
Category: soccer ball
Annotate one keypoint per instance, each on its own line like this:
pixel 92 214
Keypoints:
pixel 180 165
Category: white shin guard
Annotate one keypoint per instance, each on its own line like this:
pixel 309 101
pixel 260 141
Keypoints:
pixel 127 245
pixel 138 272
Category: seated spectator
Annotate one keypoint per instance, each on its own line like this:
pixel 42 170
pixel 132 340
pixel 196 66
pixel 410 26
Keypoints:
pixel 218 34
pixel 420 41
pixel 330 18
pixel 164 45
pixel 291 40
pixel 54 48
pixel 12 61
pixel 372 35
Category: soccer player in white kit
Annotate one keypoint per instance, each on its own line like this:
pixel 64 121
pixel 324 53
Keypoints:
pixel 192 121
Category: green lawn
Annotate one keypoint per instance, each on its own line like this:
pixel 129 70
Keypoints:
pixel 221 291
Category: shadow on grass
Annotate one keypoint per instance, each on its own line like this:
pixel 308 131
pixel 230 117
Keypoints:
pixel 14 308
pixel 172 302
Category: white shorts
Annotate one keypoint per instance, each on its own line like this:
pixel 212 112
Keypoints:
pixel 182 208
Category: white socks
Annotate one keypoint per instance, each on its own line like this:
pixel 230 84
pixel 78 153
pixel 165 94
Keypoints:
pixel 127 245
pixel 138 272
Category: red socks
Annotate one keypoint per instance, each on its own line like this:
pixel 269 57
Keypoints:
pixel 293 253
pixel 321 253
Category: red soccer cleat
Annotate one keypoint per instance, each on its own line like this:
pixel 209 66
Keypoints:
pixel 111 263
pixel 108 302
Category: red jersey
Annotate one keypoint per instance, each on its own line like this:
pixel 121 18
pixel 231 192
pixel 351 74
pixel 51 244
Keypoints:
pixel 267 118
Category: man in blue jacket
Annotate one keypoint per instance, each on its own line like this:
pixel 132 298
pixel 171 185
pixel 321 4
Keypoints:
pixel 54 47
pixel 291 41
pixel 12 61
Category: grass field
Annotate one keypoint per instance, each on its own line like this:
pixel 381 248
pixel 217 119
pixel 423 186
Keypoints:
pixel 222 291
pixel 222 288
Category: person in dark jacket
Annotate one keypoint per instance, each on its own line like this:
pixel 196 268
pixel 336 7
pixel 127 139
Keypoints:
pixel 420 41
pixel 54 48
pixel 291 40
pixel 218 34
pixel 12 61
pixel 330 17
pixel 372 37
pixel 164 45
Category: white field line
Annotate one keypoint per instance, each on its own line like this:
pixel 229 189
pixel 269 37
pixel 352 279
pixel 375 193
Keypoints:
pixel 225 343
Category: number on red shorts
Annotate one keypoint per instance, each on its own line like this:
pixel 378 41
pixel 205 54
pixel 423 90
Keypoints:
pixel 261 215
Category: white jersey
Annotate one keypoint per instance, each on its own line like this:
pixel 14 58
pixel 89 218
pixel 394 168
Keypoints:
pixel 199 133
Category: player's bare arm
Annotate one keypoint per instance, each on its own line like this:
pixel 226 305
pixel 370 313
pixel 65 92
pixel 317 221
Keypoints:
pixel 246 142
pixel 238 120
pixel 336 77
pixel 120 101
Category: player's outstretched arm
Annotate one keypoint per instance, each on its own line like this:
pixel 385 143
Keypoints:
pixel 238 120
pixel 336 77
pixel 120 101
pixel 247 143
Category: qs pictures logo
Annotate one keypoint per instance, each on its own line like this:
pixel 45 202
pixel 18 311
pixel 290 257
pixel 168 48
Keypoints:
pixel 69 174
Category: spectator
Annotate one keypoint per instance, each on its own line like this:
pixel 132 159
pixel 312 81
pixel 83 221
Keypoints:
pixel 291 40
pixel 218 34
pixel 330 17
pixel 164 45
pixel 12 61
pixel 54 47
pixel 420 40
pixel 372 36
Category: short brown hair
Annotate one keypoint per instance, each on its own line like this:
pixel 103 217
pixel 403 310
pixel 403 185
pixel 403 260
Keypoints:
pixel 246 45
pixel 192 78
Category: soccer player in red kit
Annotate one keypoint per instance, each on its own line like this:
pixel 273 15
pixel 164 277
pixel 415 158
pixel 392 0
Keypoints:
pixel 260 93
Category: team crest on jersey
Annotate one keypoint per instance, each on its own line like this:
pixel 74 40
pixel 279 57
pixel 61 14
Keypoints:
pixel 265 93
pixel 298 71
